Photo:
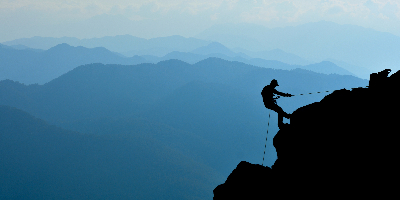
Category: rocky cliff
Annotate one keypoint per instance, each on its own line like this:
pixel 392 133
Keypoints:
pixel 344 145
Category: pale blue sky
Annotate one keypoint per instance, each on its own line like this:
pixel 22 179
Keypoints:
pixel 57 18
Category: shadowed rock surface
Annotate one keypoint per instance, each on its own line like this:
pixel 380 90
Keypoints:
pixel 343 145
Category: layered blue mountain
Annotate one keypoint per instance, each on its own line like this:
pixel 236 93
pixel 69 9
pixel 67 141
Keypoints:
pixel 358 46
pixel 41 161
pixel 129 46
pixel 342 145
pixel 260 42
pixel 30 67
pixel 214 100
pixel 125 44
pixel 326 67
pixel 276 54
pixel 23 47
pixel 218 50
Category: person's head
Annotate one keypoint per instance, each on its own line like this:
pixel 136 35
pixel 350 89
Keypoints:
pixel 274 82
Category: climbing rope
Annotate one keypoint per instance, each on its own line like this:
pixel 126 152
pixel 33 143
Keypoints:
pixel 269 116
pixel 324 91
pixel 265 146
pixel 309 93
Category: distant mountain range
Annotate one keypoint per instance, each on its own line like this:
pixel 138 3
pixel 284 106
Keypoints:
pixel 130 46
pixel 125 44
pixel 32 66
pixel 209 98
pixel 358 50
pixel 276 54
pixel 130 118
pixel 357 46
pixel 145 128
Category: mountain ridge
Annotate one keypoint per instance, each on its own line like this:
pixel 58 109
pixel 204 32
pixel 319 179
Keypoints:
pixel 32 67
pixel 98 91
pixel 317 41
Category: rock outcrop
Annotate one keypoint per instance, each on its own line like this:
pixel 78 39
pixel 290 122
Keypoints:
pixel 344 145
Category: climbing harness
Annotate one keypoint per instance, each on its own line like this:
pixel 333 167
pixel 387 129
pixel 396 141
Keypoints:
pixel 265 147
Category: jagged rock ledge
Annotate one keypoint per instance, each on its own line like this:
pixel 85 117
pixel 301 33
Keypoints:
pixel 344 145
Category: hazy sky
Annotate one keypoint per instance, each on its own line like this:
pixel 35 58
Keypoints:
pixel 154 18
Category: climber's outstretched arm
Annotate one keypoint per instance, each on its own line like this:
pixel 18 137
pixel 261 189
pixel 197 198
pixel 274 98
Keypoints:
pixel 282 94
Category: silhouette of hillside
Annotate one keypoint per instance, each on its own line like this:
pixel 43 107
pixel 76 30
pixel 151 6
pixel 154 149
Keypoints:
pixel 40 161
pixel 341 145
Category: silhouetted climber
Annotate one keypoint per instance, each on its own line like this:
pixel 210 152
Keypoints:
pixel 269 100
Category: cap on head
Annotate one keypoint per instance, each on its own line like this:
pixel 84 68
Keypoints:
pixel 274 82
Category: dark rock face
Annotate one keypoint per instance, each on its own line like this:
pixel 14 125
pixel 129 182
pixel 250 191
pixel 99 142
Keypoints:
pixel 246 181
pixel 344 145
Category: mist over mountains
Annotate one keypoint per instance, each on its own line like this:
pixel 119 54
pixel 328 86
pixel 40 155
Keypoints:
pixel 125 44
pixel 215 99
pixel 358 50
pixel 33 66
pixel 162 118
pixel 29 66
pixel 358 46
pixel 210 112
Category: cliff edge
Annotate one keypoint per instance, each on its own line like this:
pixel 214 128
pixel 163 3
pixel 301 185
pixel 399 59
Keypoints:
pixel 344 145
